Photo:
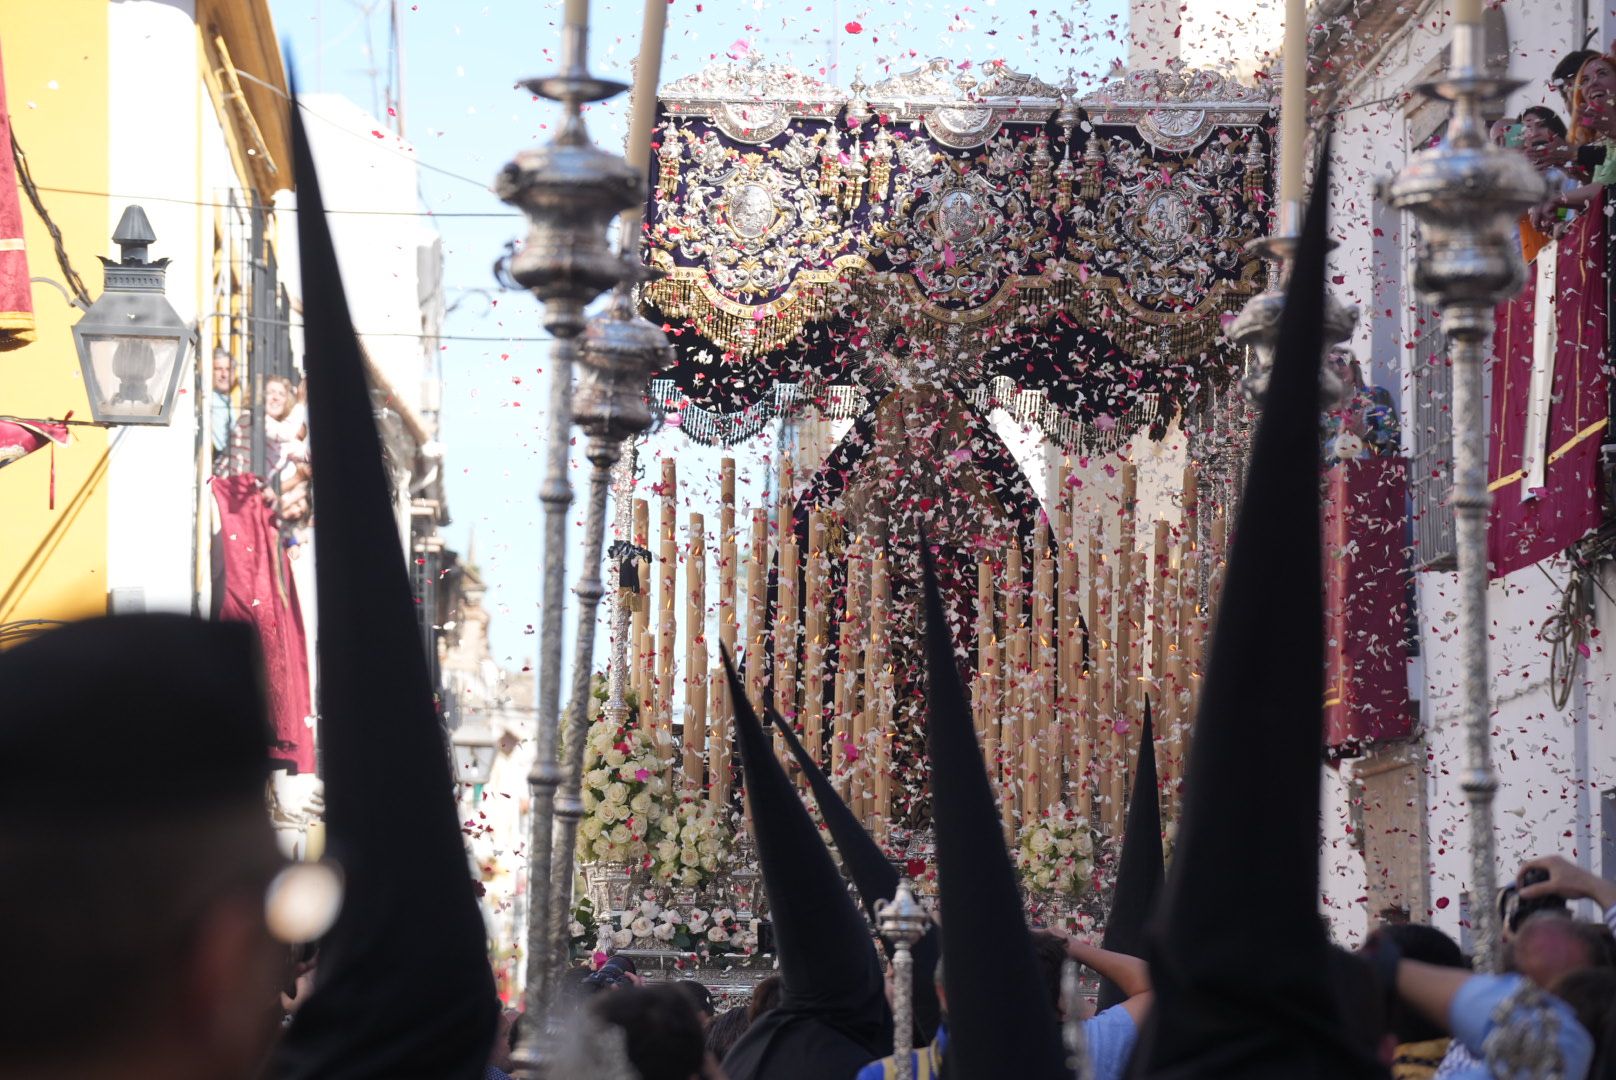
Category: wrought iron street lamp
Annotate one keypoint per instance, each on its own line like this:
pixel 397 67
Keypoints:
pixel 619 352
pixel 131 342
pixel 570 191
pixel 474 747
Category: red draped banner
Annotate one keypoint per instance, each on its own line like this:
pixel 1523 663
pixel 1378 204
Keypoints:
pixel 1549 405
pixel 257 588
pixel 1366 569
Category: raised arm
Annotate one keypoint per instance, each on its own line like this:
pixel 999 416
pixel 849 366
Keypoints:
pixel 1569 880
pixel 1128 972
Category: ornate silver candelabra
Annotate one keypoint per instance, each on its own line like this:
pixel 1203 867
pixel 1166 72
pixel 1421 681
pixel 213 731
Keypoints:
pixel 620 353
pixel 1467 196
pixel 570 190
pixel 903 922
pixel 1257 325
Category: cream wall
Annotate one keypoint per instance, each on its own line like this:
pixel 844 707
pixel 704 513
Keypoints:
pixel 152 493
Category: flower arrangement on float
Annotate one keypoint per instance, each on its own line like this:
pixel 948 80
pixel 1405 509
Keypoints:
pixel 688 842
pixel 1055 853
pixel 583 931
pixel 691 929
pixel 621 790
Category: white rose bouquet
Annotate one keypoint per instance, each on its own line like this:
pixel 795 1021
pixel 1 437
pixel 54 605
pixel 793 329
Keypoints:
pixel 651 926
pixel 1056 852
pixel 622 786
pixel 582 929
pixel 689 842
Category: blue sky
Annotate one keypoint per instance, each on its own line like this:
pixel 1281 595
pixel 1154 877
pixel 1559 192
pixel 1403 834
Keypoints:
pixel 461 61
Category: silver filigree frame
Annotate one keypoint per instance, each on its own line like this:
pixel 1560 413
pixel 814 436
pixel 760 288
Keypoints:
pixel 753 101
pixel 1176 109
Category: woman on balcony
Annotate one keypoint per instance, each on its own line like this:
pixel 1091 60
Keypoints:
pixel 1593 122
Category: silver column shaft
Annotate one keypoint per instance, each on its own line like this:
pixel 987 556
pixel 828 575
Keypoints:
pixel 1467 340
pixel 903 1010
pixel 556 496
pixel 569 808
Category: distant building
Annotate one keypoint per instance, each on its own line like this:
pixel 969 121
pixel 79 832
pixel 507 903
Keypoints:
pixel 496 815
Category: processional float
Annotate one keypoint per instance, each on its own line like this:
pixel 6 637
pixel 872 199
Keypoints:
pixel 928 247
pixel 908 255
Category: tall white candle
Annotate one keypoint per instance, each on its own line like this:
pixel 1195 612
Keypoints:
pixel 1293 104
pixel 647 73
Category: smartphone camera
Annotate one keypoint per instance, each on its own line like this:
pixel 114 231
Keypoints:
pixel 1515 136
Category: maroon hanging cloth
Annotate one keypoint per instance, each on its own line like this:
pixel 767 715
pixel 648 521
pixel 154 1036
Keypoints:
pixel 19 438
pixel 16 294
pixel 1365 606
pixel 257 588
pixel 1522 531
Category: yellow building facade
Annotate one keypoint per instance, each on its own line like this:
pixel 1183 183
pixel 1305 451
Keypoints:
pixel 182 109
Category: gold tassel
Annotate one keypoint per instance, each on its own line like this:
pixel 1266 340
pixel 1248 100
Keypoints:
pixel 880 166
pixel 1038 170
pixel 1093 166
pixel 668 164
pixel 1063 186
pixel 1256 166
pixel 830 168
pixel 853 174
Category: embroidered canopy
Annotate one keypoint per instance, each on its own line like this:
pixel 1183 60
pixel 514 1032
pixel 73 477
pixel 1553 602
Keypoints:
pixel 1071 258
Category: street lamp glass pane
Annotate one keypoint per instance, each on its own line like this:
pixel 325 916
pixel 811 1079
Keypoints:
pixel 474 762
pixel 131 374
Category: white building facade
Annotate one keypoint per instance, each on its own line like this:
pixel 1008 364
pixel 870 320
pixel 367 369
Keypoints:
pixel 1396 822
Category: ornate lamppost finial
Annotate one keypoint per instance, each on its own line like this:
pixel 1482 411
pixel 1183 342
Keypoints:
pixel 1467 196
pixel 902 922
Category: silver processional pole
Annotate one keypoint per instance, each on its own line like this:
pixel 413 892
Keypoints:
pixel 1468 196
pixel 620 353
pixel 570 190
pixel 902 922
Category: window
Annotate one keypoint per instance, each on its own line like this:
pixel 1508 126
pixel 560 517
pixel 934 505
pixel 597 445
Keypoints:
pixel 1430 397
pixel 1431 469
pixel 257 424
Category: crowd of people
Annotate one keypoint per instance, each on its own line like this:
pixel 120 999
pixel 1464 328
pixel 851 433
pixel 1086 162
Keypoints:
pixel 1432 1025
pixel 1573 155
pixel 285 470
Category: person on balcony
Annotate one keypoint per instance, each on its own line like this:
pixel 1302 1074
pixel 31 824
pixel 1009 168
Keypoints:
pixel 222 409
pixel 1593 123
pixel 286 431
